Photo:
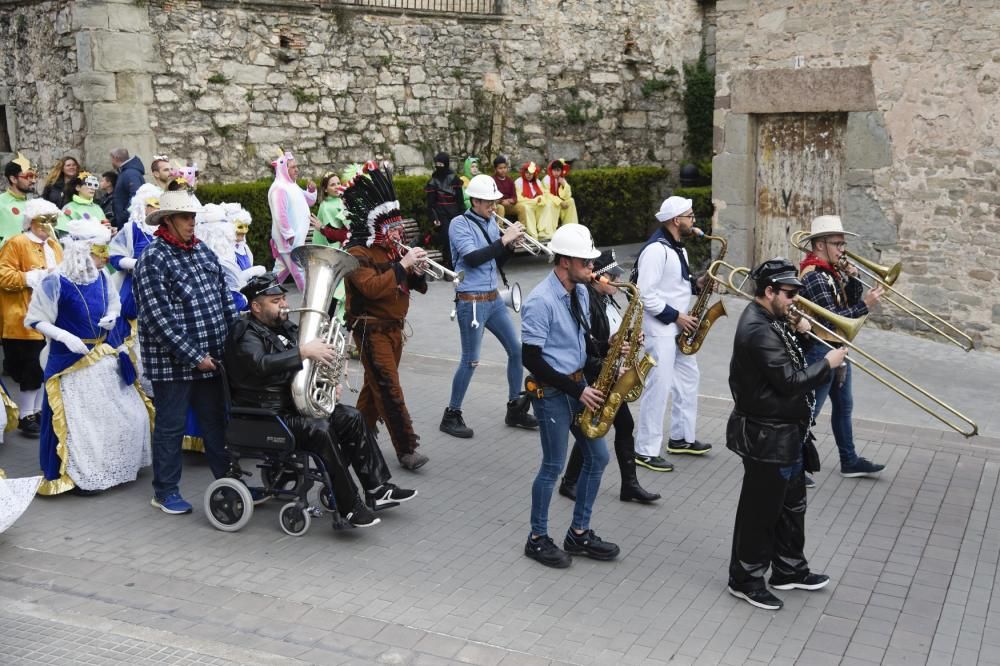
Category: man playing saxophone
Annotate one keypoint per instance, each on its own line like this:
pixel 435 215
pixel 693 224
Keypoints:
pixel 262 356
pixel 605 318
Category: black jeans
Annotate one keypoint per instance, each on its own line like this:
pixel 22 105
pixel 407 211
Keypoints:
pixel 341 441
pixel 770 526
pixel 21 362
pixel 624 448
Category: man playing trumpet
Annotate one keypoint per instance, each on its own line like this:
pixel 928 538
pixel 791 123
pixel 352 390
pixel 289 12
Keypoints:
pixel 831 282
pixel 479 249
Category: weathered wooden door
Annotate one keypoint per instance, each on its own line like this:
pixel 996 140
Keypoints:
pixel 800 165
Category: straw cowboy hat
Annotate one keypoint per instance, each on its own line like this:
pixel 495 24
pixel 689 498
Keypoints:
pixel 826 225
pixel 172 203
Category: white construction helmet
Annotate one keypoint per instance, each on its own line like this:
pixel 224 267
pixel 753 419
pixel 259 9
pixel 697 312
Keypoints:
pixel 483 187
pixel 574 240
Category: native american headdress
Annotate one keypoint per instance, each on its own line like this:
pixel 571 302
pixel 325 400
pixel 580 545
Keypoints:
pixel 371 205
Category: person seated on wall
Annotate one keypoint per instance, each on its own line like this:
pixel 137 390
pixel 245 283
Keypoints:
pixel 559 194
pixel 470 168
pixel 506 186
pixel 533 209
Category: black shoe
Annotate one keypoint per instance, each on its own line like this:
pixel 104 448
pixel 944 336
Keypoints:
pixel 547 552
pixel 567 489
pixel 633 492
pixel 589 544
pixel 861 467
pixel 810 484
pixel 362 516
pixel 30 425
pixel 680 446
pixel 389 493
pixel 518 416
pixel 760 598
pixel 453 424
pixel 811 581
pixel 655 463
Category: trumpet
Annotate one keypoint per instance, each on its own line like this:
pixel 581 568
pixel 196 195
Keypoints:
pixel 885 277
pixel 843 332
pixel 434 269
pixel 527 243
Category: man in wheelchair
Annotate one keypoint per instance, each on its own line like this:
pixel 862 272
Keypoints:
pixel 262 355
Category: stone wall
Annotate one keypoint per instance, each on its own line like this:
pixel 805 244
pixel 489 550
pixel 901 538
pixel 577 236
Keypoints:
pixel 546 79
pixel 922 163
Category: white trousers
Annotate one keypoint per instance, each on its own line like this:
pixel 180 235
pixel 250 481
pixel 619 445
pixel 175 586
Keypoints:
pixel 675 377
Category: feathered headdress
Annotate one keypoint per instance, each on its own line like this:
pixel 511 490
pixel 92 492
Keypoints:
pixel 371 205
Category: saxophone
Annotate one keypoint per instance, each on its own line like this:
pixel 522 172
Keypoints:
pixel 690 343
pixel 628 387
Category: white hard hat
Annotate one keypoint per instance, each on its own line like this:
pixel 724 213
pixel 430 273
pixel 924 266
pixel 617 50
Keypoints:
pixel 574 240
pixel 483 187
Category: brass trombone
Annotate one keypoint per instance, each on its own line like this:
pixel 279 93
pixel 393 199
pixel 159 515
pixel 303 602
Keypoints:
pixel 886 276
pixel 846 330
pixel 527 243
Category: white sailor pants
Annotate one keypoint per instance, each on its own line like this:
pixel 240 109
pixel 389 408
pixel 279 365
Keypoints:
pixel 675 376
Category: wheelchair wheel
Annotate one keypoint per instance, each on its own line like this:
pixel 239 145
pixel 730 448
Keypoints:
pixel 294 519
pixel 228 504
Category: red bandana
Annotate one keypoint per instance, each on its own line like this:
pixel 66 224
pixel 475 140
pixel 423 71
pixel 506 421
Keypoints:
pixel 812 260
pixel 187 246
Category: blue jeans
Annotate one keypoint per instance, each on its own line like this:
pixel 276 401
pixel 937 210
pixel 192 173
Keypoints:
pixel 843 405
pixel 492 316
pixel 556 414
pixel 171 400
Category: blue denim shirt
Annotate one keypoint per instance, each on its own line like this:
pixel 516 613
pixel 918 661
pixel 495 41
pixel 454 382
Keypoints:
pixel 548 322
pixel 464 238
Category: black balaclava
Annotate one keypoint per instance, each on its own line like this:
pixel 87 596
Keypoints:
pixel 444 159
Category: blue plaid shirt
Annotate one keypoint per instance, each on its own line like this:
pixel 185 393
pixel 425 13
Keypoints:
pixel 185 310
pixel 827 291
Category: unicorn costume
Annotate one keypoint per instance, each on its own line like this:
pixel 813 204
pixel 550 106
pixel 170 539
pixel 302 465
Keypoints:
pixel 290 206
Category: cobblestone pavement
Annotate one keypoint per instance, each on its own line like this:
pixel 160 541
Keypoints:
pixel 913 555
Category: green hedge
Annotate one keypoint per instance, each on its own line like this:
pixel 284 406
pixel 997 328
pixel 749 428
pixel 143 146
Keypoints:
pixel 699 251
pixel 617 203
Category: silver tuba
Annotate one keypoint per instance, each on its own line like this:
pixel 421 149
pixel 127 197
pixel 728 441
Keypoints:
pixel 314 387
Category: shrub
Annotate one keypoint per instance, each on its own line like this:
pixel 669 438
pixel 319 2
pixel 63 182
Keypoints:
pixel 699 107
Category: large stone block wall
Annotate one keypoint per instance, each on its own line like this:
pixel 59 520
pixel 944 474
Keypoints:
pixel 923 159
pixel 579 80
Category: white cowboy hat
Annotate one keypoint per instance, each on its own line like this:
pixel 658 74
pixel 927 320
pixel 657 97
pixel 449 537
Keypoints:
pixel 826 225
pixel 172 203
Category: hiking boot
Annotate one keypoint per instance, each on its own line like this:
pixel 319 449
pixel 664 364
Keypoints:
pixel 518 416
pixel 30 425
pixel 545 550
pixel 811 581
pixel 590 545
pixel 389 493
pixel 453 424
pixel 567 489
pixel 655 463
pixel 760 598
pixel 361 516
pixel 694 448
pixel 861 467
pixel 413 461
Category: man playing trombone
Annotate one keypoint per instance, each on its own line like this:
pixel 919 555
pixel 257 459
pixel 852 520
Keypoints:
pixel 480 250
pixel 831 282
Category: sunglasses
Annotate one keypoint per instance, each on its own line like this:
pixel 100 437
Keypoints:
pixel 27 174
pixel 790 293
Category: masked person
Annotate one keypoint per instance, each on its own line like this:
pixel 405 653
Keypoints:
pixel 559 194
pixel 81 206
pixel 95 422
pixel 445 197
pixel 773 388
pixel 378 299
pixel 126 248
pixel 290 217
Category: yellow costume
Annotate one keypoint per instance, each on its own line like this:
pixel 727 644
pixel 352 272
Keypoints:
pixel 21 254
pixel 562 199
pixel 537 213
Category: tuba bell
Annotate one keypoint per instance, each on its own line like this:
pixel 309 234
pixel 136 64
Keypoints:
pixel 314 387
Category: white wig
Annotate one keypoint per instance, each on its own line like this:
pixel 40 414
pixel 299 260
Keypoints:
pixel 77 264
pixel 137 208
pixel 37 208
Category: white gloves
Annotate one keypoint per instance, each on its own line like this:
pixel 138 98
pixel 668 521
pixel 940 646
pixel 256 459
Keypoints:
pixel 73 343
pixel 34 277
pixel 127 263
pixel 252 272
pixel 107 322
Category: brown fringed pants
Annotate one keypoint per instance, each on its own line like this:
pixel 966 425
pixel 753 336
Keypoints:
pixel 381 397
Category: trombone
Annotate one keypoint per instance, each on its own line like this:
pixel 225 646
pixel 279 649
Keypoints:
pixel 434 269
pixel 527 243
pixel 844 330
pixel 885 277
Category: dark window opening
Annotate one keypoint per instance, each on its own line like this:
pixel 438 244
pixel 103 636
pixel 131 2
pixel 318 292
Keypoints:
pixel 5 146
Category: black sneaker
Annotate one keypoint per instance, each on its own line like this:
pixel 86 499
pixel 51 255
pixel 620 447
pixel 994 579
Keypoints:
pixel 810 484
pixel 453 424
pixel 30 425
pixel 680 446
pixel 389 493
pixel 655 463
pixel 518 416
pixel 567 489
pixel 811 581
pixel 861 467
pixel 545 550
pixel 589 544
pixel 760 598
pixel 362 516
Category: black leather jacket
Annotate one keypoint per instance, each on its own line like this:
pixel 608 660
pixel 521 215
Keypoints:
pixel 771 415
pixel 260 363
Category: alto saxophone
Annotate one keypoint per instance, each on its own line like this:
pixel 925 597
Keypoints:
pixel 627 387
pixel 690 343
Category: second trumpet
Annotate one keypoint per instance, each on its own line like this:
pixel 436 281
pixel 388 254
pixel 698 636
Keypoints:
pixel 434 269
pixel 528 244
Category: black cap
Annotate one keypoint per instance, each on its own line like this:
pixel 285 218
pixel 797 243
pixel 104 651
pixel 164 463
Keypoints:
pixel 776 271
pixel 607 264
pixel 263 285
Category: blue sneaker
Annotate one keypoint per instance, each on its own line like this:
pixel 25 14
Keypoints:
pixel 173 504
